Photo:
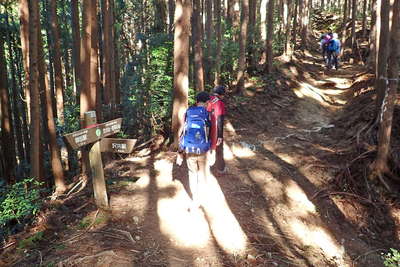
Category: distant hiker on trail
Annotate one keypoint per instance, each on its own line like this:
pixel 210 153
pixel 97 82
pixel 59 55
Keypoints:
pixel 324 41
pixel 195 144
pixel 216 107
pixel 334 47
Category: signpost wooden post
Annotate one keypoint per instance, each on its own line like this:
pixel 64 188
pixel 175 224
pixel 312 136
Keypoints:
pixel 94 134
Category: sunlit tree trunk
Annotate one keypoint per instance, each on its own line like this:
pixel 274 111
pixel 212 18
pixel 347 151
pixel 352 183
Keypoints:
pixel 244 20
pixel 198 49
pixel 181 65
pixel 387 108
pixel 85 53
pixel 7 132
pixel 94 64
pixel 24 30
pixel 270 37
pixel 59 88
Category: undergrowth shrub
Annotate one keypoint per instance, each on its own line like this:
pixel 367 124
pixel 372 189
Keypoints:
pixel 392 258
pixel 18 205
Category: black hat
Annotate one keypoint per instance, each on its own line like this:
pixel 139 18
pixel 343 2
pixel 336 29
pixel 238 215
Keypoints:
pixel 219 90
pixel 202 97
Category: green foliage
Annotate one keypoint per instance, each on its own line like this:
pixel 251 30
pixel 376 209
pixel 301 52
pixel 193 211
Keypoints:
pixel 147 87
pixel 392 258
pixel 18 204
pixel 31 241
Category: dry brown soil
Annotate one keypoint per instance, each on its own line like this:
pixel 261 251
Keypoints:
pixel 270 209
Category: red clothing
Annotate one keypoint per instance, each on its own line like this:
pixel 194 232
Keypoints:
pixel 216 107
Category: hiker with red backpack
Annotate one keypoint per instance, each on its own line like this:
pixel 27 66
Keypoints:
pixel 324 41
pixel 216 107
pixel 195 144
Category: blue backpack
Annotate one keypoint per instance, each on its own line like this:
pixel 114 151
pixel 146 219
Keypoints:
pixel 195 135
pixel 334 45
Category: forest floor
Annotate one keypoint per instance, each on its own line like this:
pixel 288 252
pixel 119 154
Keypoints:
pixel 274 207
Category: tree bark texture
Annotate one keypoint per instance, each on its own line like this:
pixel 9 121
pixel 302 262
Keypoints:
pixel 244 20
pixel 270 36
pixel 181 65
pixel 198 49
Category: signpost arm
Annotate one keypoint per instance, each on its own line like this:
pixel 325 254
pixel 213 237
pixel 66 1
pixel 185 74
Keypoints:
pixel 96 166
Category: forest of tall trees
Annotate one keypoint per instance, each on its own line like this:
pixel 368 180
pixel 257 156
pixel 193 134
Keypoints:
pixel 145 60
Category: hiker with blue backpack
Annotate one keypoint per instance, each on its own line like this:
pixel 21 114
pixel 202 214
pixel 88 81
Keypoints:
pixel 334 47
pixel 195 144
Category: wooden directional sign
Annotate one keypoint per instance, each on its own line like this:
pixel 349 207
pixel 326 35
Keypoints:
pixel 95 133
pixel 117 145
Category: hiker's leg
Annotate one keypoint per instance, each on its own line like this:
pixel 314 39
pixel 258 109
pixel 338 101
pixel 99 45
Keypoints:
pixel 220 162
pixel 204 170
pixel 193 168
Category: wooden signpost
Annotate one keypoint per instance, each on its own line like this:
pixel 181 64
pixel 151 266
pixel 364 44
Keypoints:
pixel 94 134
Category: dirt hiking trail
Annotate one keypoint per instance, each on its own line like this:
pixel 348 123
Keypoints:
pixel 270 209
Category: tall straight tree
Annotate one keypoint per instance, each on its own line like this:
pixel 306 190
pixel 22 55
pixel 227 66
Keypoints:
pixel 55 156
pixel 19 127
pixel 364 19
pixel 86 102
pixel 270 36
pixel 59 84
pixel 24 32
pixel 353 27
pixel 7 132
pixel 198 49
pixel 76 48
pixel 94 64
pixel 344 24
pixel 373 35
pixel 244 20
pixel 209 37
pixel 387 108
pixel 36 164
pixel 287 14
pixel 181 65
pixel 218 34
pixel 252 60
pixel 263 29
pixel 382 48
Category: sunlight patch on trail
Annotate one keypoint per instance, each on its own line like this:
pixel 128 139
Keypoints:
pixel 307 90
pixel 197 229
pixel 223 223
pixel 298 199
pixel 316 237
pixel 341 83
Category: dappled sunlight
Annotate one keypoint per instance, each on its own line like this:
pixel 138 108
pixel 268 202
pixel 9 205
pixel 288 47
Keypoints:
pixel 240 151
pixel 317 238
pixel 307 90
pixel 298 199
pixel 223 224
pixel 184 229
pixel 287 158
pixel 341 83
